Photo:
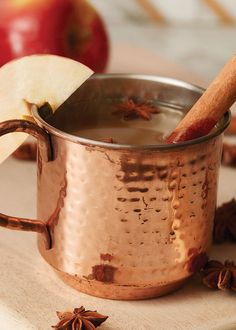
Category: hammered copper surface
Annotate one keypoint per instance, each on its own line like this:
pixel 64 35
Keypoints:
pixel 127 222
pixel 127 217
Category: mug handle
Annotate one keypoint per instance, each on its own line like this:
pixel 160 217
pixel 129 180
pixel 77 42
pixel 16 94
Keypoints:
pixel 23 224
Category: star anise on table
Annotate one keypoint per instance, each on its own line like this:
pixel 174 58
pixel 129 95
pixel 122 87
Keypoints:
pixel 131 109
pixel 217 275
pixel 225 222
pixel 79 319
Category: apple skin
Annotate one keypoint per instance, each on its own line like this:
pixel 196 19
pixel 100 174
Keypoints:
pixel 70 28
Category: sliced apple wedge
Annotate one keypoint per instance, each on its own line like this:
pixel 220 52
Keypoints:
pixel 35 79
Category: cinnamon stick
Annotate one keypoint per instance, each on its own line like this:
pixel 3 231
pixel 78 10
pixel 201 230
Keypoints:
pixel 210 107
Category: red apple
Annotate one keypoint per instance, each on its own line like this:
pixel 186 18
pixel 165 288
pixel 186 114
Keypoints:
pixel 70 28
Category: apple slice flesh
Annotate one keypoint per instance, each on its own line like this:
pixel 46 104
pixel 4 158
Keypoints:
pixel 35 79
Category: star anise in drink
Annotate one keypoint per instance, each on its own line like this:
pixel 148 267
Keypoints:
pixel 132 109
pixel 218 275
pixel 79 319
pixel 225 222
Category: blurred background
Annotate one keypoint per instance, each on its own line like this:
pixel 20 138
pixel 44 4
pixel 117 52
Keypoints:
pixel 145 36
pixel 196 34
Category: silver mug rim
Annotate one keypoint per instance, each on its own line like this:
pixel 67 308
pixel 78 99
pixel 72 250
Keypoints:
pixel 161 147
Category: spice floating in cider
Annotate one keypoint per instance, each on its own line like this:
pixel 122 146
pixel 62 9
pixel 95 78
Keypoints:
pixel 133 130
pixel 132 110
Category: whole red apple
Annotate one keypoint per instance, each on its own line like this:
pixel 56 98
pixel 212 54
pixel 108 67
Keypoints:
pixel 70 28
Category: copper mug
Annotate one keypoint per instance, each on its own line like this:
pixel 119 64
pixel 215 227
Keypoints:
pixel 123 221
